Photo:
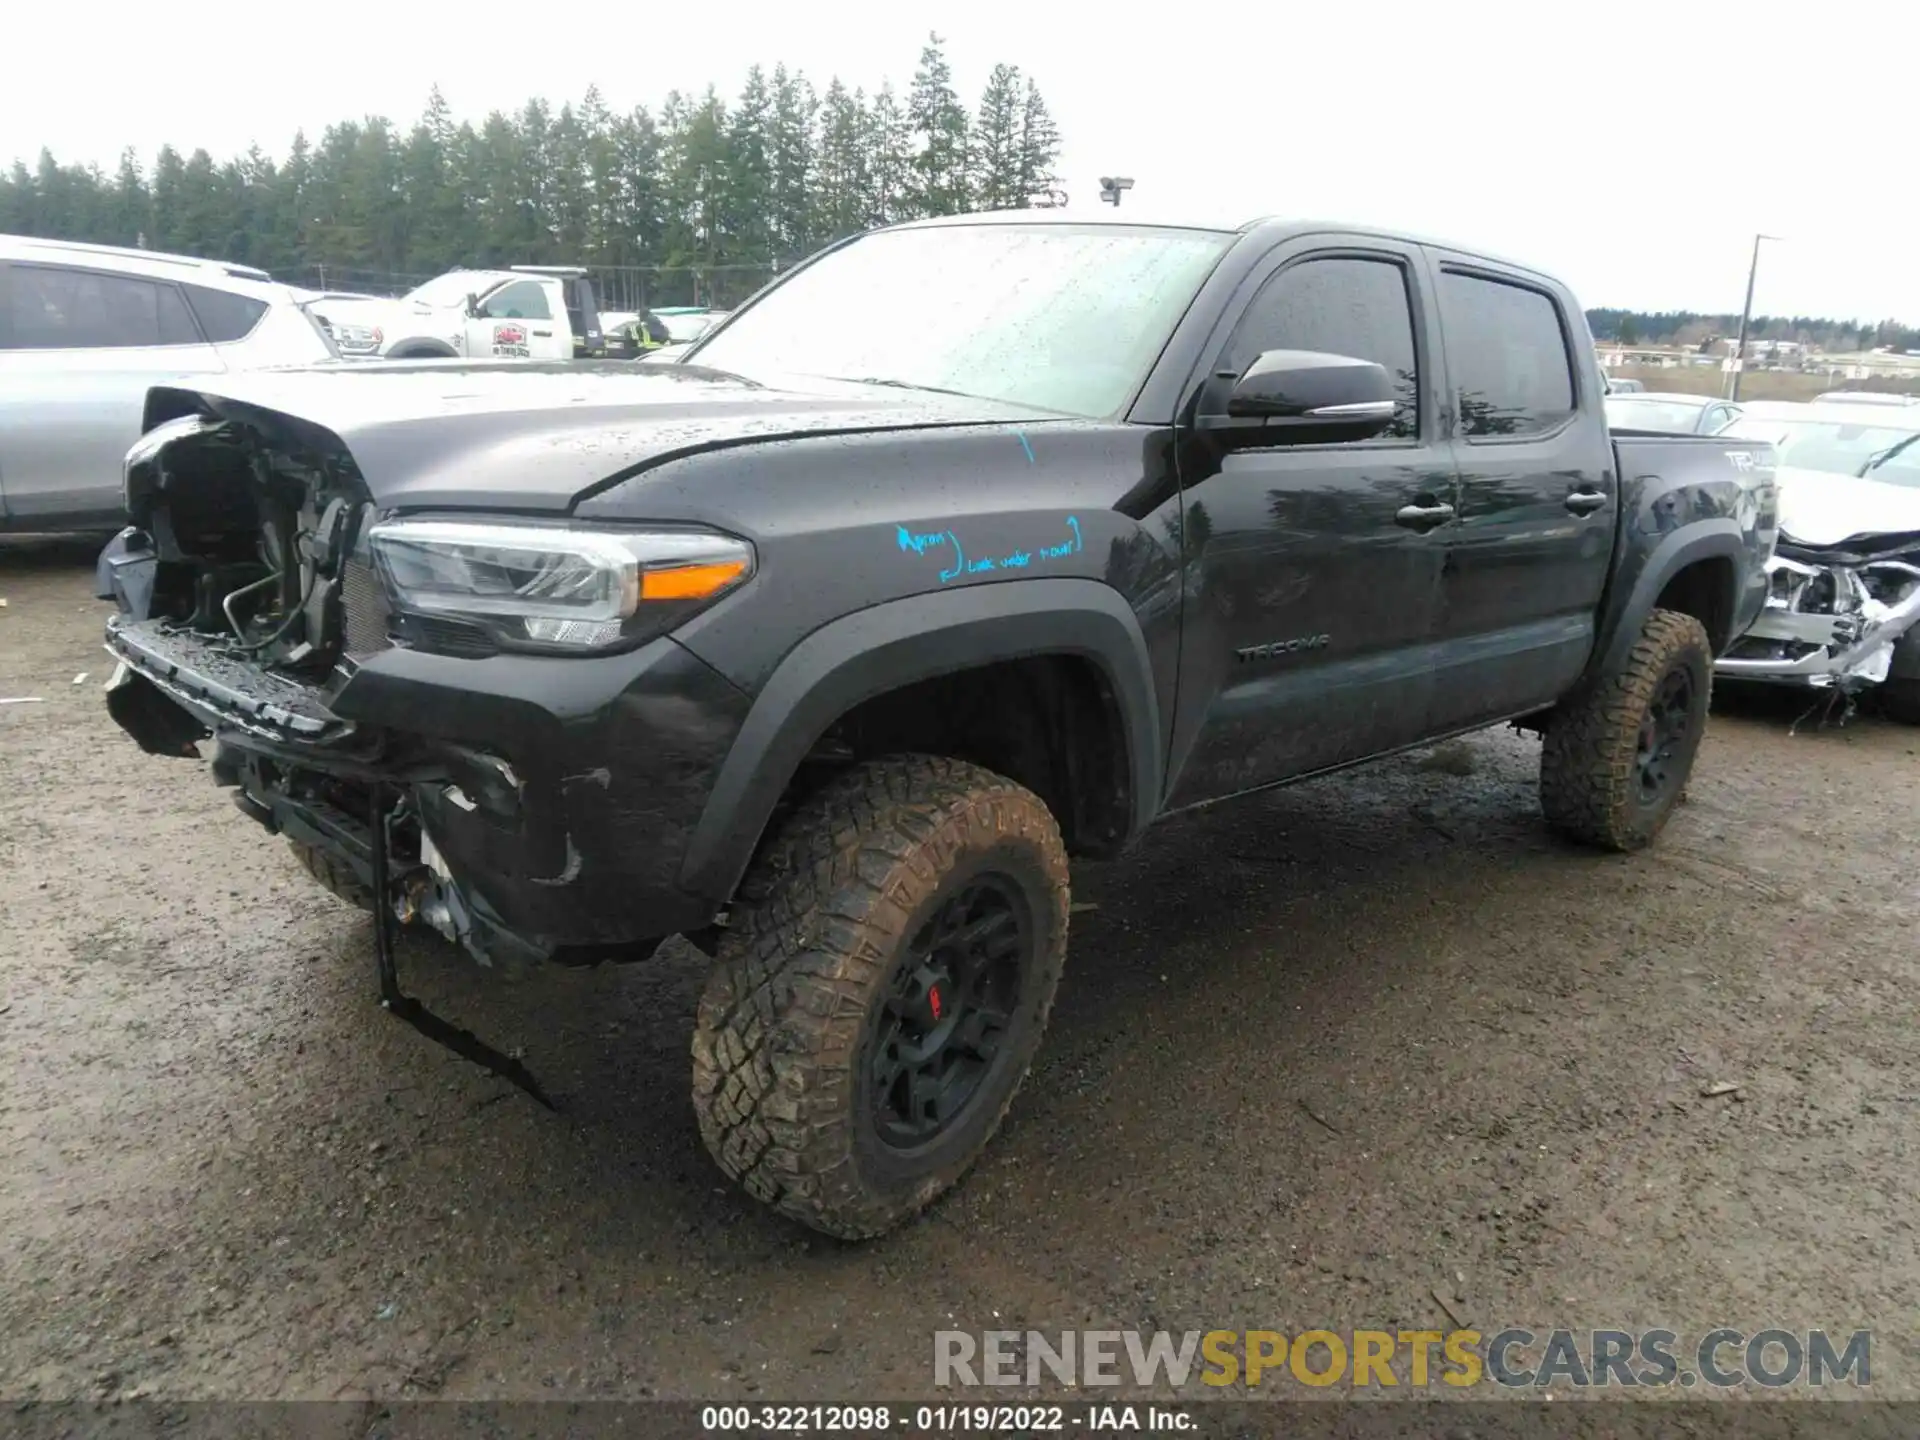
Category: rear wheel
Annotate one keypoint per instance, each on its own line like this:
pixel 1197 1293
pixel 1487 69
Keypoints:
pixel 1617 754
pixel 880 991
pixel 333 875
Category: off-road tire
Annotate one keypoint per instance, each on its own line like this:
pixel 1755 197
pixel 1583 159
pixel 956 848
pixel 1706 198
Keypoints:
pixel 821 926
pixel 332 875
pixel 1900 700
pixel 1589 787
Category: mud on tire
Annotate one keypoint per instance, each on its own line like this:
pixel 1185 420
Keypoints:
pixel 807 1011
pixel 1595 764
pixel 333 875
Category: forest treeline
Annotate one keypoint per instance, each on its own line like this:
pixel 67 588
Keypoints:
pixel 699 183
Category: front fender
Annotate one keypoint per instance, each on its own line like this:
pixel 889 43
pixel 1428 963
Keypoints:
pixel 1719 538
pixel 873 651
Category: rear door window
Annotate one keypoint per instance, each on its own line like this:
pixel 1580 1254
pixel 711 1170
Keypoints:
pixel 225 317
pixel 1507 349
pixel 54 307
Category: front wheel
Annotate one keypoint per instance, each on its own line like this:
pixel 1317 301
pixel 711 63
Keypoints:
pixel 1618 752
pixel 881 990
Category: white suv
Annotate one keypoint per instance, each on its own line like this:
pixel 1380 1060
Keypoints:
pixel 85 331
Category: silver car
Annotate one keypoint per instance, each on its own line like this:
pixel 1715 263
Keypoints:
pixel 1670 413
pixel 85 330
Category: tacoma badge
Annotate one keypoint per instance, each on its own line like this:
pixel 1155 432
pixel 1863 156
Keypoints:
pixel 1275 648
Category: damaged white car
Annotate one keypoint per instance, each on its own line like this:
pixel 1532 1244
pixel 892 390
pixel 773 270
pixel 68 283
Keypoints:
pixel 1845 595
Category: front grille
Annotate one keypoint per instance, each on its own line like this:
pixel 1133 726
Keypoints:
pixel 366 614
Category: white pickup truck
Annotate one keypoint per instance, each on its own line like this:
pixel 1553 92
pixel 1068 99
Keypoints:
pixel 527 312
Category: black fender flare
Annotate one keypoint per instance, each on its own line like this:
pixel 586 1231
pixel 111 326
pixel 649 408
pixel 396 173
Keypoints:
pixel 886 646
pixel 1717 539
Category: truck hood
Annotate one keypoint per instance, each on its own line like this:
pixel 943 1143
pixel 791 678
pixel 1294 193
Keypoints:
pixel 1823 508
pixel 366 309
pixel 509 435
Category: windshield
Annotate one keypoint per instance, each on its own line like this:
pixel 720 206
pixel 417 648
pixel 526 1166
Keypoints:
pixel 1059 317
pixel 1631 413
pixel 687 327
pixel 1839 446
pixel 449 289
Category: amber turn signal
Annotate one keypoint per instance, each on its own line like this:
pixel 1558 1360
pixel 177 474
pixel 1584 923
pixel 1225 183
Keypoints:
pixel 690 582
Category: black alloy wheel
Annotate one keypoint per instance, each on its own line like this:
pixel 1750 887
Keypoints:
pixel 1663 736
pixel 951 1002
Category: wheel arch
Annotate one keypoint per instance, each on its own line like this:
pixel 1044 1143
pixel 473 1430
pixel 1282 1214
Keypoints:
pixel 888 649
pixel 421 350
pixel 1695 570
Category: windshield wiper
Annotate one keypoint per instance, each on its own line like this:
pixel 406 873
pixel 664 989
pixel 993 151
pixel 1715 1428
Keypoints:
pixel 1874 462
pixel 893 384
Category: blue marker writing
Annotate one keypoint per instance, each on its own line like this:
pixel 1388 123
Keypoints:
pixel 959 563
pixel 919 544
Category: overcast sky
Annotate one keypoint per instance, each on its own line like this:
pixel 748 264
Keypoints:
pixel 1632 148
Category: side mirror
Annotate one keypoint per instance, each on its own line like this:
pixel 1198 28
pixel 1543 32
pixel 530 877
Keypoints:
pixel 473 306
pixel 1303 397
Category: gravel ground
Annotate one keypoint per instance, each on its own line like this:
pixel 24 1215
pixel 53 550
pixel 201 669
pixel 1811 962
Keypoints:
pixel 1317 1056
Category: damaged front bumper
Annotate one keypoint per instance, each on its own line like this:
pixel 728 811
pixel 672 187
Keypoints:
pixel 537 808
pixel 1828 622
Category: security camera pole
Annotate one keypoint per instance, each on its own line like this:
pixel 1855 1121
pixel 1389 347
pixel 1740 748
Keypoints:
pixel 1111 187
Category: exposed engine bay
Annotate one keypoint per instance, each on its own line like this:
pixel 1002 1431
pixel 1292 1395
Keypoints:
pixel 1835 614
pixel 253 539
pixel 247 595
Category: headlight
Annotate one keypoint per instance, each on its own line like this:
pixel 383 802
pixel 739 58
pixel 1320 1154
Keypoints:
pixel 357 337
pixel 555 588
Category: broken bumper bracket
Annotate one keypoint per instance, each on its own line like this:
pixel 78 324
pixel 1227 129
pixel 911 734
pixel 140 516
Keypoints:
pixel 463 1043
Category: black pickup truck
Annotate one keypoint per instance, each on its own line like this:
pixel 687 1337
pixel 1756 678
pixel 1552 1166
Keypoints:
pixel 828 646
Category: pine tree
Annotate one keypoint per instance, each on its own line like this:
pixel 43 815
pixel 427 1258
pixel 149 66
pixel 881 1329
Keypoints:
pixel 641 218
pixel 129 219
pixel 600 164
pixel 791 158
pixel 290 205
pixel 997 132
pixel 746 222
pixel 842 193
pixel 1039 148
pixel 939 127
pixel 56 207
pixel 569 198
pixel 19 202
pixel 168 170
pixel 697 189
pixel 890 166
pixel 431 191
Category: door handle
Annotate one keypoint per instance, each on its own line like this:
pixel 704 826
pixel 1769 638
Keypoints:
pixel 543 332
pixel 1585 502
pixel 1423 517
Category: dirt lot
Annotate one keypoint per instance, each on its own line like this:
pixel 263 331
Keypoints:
pixel 1316 1056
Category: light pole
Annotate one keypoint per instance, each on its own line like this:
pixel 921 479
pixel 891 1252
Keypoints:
pixel 1113 186
pixel 1746 318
